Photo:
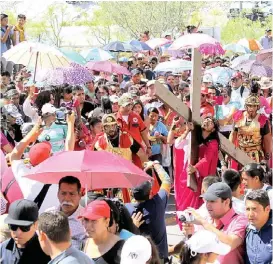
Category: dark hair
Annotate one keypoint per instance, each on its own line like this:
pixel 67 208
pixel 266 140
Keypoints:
pixel 93 121
pixel 230 201
pixel 213 135
pixel 255 86
pixel 3 16
pixel 42 98
pixel 76 88
pixel 68 89
pixel 183 85
pixel 152 110
pixel 70 180
pixel 186 257
pixel 5 73
pixel 260 196
pixel 209 180
pixel 21 16
pixel 212 87
pixel 169 74
pixel 138 102
pixel 155 259
pixel 55 225
pixel 125 220
pixel 232 179
pixel 257 169
pixel 187 97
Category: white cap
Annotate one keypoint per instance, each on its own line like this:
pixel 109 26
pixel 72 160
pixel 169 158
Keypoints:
pixel 207 78
pixel 149 83
pixel 140 55
pixel 136 250
pixel 48 109
pixel 113 98
pixel 205 241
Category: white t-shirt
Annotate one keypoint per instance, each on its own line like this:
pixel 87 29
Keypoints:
pixel 31 188
pixel 236 96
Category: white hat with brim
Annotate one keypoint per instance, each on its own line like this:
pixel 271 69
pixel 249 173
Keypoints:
pixel 265 83
pixel 136 250
pixel 205 241
pixel 48 109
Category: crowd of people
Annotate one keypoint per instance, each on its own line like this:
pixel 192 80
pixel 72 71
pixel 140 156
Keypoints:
pixel 227 220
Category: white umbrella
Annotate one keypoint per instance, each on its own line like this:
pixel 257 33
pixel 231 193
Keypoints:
pixel 36 56
pixel 174 66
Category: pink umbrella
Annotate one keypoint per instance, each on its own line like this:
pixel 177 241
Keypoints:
pixel 205 43
pixel 265 57
pixel 94 169
pixel 107 66
pixel 157 42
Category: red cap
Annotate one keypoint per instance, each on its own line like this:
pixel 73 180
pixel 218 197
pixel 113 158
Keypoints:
pixel 204 90
pixel 39 152
pixel 96 210
pixel 237 75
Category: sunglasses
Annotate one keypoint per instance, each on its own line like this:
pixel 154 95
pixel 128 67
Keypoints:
pixel 234 80
pixel 139 59
pixel 22 228
pixel 218 62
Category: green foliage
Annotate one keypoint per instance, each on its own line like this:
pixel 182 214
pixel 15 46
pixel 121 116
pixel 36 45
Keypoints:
pixel 156 17
pixel 239 28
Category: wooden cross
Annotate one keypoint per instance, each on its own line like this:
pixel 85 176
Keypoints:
pixel 193 115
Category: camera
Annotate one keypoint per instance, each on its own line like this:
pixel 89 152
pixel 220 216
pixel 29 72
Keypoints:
pixel 184 217
pixel 61 115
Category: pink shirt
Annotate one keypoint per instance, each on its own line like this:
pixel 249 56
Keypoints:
pixel 233 223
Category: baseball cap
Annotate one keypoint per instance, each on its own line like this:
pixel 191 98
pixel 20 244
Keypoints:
pixel 204 90
pixel 113 98
pixel 236 75
pixel 22 212
pixel 10 93
pixel 204 241
pixel 39 152
pixel 96 210
pixel 207 78
pixel 124 100
pixel 135 72
pixel 217 190
pixel 136 250
pixel 48 109
pixel 149 83
pixel 142 190
pixel 134 93
pixel 268 30
pixel 109 120
pixel 11 110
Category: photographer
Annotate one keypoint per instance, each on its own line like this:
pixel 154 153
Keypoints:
pixel 54 133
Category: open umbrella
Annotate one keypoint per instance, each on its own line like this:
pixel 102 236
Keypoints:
pixel 119 46
pixel 73 75
pixel 251 44
pixel 206 44
pixel 255 68
pixel 140 45
pixel 175 66
pixel 265 57
pixel 36 56
pixel 157 42
pixel 241 59
pixel 107 66
pixel 94 169
pixel 237 48
pixel 96 54
pixel 220 74
pixel 74 56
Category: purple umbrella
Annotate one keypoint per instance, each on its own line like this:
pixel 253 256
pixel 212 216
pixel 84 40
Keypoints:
pixel 73 75
pixel 255 68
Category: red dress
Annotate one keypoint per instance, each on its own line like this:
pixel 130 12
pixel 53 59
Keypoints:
pixel 206 166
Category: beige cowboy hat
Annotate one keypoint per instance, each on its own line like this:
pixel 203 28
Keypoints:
pixel 265 83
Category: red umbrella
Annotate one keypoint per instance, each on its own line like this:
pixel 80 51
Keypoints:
pixel 94 169
pixel 205 43
pixel 265 57
pixel 107 66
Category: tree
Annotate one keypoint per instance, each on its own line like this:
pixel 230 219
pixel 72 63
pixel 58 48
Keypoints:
pixel 156 17
pixel 239 28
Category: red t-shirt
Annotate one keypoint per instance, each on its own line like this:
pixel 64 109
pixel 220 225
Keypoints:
pixel 134 126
